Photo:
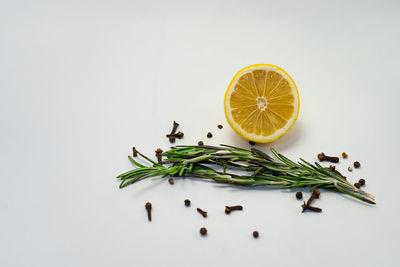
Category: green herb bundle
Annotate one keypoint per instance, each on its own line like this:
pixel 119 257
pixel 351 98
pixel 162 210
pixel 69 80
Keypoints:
pixel 239 166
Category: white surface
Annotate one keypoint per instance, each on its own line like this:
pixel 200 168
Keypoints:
pixel 83 81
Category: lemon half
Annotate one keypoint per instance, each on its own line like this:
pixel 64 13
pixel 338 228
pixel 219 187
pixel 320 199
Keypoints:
pixel 261 103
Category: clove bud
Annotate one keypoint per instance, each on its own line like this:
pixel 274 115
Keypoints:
pixel 159 155
pixel 171 136
pixel 228 209
pixel 202 212
pixel 323 157
pixel 306 206
pixel 148 209
pixel 332 168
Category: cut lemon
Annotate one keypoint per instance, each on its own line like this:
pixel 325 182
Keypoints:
pixel 261 103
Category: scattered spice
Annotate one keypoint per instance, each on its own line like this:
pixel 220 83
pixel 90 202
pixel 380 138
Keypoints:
pixel 200 143
pixel 362 182
pixel 171 136
pixel 171 180
pixel 202 212
pixel 255 234
pixel 187 202
pixel 220 126
pixel 306 206
pixel 228 209
pixel 159 155
pixel 332 168
pixel 252 143
pixel 357 164
pixel 344 155
pixel 323 157
pixel 209 135
pixel 148 209
pixel 134 151
pixel 358 185
pixel 350 169
pixel 179 135
pixel 299 195
pixel 203 231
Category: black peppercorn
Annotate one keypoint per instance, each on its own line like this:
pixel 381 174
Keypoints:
pixel 171 181
pixel 203 231
pixel 358 185
pixel 252 143
pixel 209 135
pixel 357 164
pixel 299 195
pixel 361 181
pixel 220 126
pixel 187 202
pixel 255 234
pixel 200 143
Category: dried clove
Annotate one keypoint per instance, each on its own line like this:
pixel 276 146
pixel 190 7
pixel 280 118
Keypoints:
pixel 220 126
pixel 306 207
pixel 159 155
pixel 209 135
pixel 357 164
pixel 171 180
pixel 315 194
pixel 175 126
pixel 171 136
pixel 179 135
pixel 228 209
pixel 362 182
pixel 187 202
pixel 202 212
pixel 255 234
pixel 323 157
pixel 203 231
pixel 148 209
pixel 200 143
pixel 252 143
pixel 332 168
pixel 134 151
pixel 299 195
pixel 344 155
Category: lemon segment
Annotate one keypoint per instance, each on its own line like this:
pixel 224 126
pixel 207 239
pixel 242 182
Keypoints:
pixel 261 103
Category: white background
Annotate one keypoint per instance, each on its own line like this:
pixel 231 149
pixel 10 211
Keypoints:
pixel 83 81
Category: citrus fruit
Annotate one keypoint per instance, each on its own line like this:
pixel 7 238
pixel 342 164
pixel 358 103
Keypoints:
pixel 261 103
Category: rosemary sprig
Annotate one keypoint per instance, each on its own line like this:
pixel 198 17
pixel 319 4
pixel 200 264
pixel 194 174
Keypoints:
pixel 239 166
